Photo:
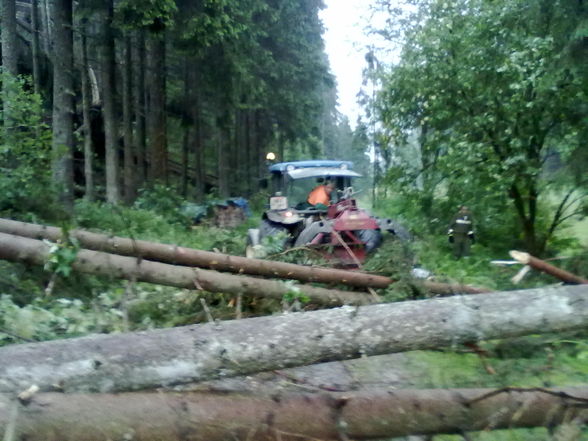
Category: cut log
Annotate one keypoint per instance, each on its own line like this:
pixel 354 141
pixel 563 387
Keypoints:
pixel 142 360
pixel 541 265
pixel 190 257
pixel 354 415
pixel 22 249
pixel 449 289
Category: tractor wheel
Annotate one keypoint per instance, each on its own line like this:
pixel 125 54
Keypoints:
pixel 371 238
pixel 268 228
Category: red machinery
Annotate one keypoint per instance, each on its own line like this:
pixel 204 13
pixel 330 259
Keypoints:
pixel 342 232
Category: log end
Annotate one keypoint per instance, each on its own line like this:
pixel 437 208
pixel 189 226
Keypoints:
pixel 520 256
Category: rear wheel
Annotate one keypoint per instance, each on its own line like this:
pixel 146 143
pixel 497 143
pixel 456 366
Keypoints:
pixel 273 229
pixel 372 239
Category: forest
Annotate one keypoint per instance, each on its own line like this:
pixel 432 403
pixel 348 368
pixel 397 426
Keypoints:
pixel 155 286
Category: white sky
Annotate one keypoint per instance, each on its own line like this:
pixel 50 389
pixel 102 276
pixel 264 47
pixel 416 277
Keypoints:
pixel 346 44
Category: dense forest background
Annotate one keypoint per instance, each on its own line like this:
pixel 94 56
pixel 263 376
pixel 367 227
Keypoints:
pixel 130 116
pixel 186 94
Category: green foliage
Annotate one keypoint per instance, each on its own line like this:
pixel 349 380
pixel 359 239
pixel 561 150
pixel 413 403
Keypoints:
pixel 478 103
pixel 61 256
pixel 56 318
pixel 154 15
pixel 294 293
pixel 165 201
pixel 25 146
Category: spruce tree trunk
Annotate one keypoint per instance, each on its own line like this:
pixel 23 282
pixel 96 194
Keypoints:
pixel 36 46
pixel 63 140
pixel 86 100
pixel 197 135
pixel 21 249
pixel 287 417
pixel 110 113
pixel 139 105
pixel 157 135
pixel 223 159
pixel 130 192
pixel 187 128
pixel 9 49
pixel 176 255
pixel 142 360
pixel 9 64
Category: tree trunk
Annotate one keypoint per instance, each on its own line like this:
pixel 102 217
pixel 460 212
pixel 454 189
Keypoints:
pixel 223 158
pixel 538 264
pixel 129 157
pixel 9 49
pixel 198 138
pixel 36 46
pixel 139 110
pixel 156 109
pixel 26 250
pixel 110 114
pixel 288 417
pixel 9 65
pixel 86 100
pixel 63 140
pixel 191 257
pixel 450 288
pixel 187 128
pixel 142 360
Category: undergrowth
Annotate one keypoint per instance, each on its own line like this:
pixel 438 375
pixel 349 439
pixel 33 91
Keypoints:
pixel 80 304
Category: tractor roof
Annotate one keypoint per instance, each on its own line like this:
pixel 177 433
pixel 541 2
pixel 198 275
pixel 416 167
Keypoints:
pixel 326 172
pixel 288 166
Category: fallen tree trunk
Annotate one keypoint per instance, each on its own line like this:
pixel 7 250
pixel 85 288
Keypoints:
pixel 541 265
pixel 190 257
pixel 217 261
pixel 142 360
pixel 449 289
pixel 22 249
pixel 355 415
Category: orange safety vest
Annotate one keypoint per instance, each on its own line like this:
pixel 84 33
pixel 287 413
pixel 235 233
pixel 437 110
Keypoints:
pixel 319 195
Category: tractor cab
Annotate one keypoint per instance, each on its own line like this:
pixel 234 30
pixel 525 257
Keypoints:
pixel 292 182
pixel 340 230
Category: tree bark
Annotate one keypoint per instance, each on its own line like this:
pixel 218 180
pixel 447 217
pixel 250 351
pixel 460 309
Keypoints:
pixel 541 265
pixel 142 360
pixel 198 138
pixel 32 251
pixel 36 46
pixel 139 105
pixel 110 114
pixel 9 49
pixel 191 257
pixel 157 126
pixel 129 156
pixel 63 140
pixel 450 288
pixel 86 100
pixel 295 417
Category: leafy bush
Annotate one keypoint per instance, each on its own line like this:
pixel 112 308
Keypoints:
pixel 56 318
pixel 166 201
pixel 25 160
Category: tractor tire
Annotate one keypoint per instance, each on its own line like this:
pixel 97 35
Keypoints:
pixel 372 239
pixel 269 228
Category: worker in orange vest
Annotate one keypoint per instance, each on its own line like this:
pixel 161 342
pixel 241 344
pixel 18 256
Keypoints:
pixel 321 194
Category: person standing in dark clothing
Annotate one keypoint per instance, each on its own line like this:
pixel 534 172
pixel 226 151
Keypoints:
pixel 461 232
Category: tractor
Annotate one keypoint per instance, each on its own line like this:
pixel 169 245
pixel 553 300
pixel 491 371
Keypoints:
pixel 342 232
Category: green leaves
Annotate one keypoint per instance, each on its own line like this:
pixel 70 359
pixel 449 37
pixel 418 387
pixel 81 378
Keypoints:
pixel 482 94
pixel 154 15
pixel 62 255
